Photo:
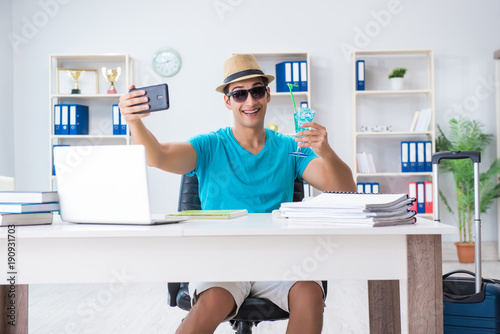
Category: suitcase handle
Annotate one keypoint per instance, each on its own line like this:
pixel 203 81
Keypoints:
pixel 460 271
pixel 475 156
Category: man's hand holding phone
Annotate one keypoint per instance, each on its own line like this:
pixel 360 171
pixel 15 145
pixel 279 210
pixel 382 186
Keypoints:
pixel 140 102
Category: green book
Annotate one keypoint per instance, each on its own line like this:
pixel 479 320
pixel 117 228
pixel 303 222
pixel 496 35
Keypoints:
pixel 209 214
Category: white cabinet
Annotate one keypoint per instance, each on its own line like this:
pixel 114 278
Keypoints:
pixel 381 117
pixel 93 93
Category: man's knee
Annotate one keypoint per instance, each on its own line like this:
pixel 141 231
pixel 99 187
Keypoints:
pixel 306 295
pixel 216 298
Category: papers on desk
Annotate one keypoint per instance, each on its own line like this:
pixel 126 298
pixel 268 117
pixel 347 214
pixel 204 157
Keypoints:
pixel 351 208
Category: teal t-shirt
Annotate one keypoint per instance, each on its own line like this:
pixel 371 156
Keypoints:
pixel 230 177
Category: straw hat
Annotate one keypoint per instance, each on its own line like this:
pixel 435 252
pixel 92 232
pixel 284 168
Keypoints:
pixel 241 67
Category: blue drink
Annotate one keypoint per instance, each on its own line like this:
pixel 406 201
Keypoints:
pixel 301 116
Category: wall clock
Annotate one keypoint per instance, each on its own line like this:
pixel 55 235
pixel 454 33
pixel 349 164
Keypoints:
pixel 167 62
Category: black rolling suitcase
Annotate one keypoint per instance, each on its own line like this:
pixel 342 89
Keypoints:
pixel 471 304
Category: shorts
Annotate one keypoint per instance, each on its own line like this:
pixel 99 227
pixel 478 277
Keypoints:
pixel 276 292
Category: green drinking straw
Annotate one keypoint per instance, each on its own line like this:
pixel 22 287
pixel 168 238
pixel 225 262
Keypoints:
pixel 290 86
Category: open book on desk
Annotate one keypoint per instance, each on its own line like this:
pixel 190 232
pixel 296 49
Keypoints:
pixel 351 208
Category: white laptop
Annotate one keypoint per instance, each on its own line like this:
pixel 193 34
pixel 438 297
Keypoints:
pixel 104 185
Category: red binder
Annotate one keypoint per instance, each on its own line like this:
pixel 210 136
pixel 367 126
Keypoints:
pixel 412 192
pixel 428 197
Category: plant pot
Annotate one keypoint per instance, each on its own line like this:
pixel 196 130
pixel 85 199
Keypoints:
pixel 465 252
pixel 396 83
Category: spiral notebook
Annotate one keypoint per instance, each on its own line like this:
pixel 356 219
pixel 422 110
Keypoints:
pixel 351 208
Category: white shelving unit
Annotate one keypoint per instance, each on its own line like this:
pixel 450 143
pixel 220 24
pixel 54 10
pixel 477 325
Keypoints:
pixel 94 94
pixel 378 105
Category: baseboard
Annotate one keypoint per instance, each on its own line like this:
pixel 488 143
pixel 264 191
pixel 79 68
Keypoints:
pixel 489 251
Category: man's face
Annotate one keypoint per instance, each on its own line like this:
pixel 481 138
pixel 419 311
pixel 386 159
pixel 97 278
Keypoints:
pixel 252 111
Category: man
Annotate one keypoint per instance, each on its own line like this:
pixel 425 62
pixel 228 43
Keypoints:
pixel 246 166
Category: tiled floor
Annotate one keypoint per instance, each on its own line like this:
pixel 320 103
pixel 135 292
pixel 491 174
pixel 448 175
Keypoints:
pixel 142 308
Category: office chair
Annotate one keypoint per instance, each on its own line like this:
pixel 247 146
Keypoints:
pixel 253 310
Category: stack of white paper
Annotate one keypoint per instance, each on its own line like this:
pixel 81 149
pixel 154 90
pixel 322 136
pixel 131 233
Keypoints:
pixel 351 208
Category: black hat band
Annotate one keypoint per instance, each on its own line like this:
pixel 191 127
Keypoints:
pixel 242 74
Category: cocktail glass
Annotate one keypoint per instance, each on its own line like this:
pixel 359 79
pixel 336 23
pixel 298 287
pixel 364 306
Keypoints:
pixel 301 116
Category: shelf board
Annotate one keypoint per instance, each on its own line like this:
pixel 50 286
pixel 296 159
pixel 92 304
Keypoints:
pixel 287 94
pixel 89 136
pixel 393 133
pixel 109 56
pixel 277 54
pixel 85 96
pixel 391 52
pixel 393 92
pixel 395 174
pixel 426 215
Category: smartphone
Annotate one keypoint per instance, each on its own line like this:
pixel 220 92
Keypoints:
pixel 158 98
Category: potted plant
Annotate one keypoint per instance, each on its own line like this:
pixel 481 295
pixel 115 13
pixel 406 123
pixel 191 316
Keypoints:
pixel 466 134
pixel 396 78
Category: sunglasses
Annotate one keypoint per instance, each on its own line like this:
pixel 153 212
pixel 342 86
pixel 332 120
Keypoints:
pixel 242 94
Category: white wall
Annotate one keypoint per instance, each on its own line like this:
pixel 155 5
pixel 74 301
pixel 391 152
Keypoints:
pixel 205 32
pixel 6 111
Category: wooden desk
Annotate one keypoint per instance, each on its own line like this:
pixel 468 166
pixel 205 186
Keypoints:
pixel 257 247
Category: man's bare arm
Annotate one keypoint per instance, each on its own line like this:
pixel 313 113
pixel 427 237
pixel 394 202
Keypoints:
pixel 178 158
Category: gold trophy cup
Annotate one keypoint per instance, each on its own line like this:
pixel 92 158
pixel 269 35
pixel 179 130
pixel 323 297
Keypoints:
pixel 75 75
pixel 111 76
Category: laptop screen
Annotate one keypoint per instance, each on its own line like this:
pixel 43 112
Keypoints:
pixel 102 184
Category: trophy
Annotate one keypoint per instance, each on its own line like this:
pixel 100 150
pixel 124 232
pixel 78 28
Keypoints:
pixel 75 75
pixel 111 76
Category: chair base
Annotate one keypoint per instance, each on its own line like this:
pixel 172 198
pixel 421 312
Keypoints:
pixel 242 327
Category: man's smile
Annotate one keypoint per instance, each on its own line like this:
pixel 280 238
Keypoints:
pixel 251 111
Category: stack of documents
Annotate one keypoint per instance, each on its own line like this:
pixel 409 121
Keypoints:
pixel 351 208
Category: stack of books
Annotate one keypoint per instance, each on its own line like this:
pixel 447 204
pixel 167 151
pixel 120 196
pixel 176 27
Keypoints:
pixel 27 207
pixel 352 209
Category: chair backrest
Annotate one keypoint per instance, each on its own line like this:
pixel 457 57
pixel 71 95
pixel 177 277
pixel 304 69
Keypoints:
pixel 190 200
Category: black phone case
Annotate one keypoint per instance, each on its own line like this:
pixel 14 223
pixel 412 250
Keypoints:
pixel 158 98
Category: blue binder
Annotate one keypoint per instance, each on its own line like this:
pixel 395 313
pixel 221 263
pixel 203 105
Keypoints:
pixel 304 105
pixel 283 76
pixel 296 76
pixel 78 119
pixel 116 120
pixel 420 197
pixel 375 188
pixel 360 75
pixel 303 77
pixel 64 119
pixel 420 156
pixel 57 119
pixel 428 156
pixel 405 165
pixel 412 156
pixel 123 124
pixel 360 187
